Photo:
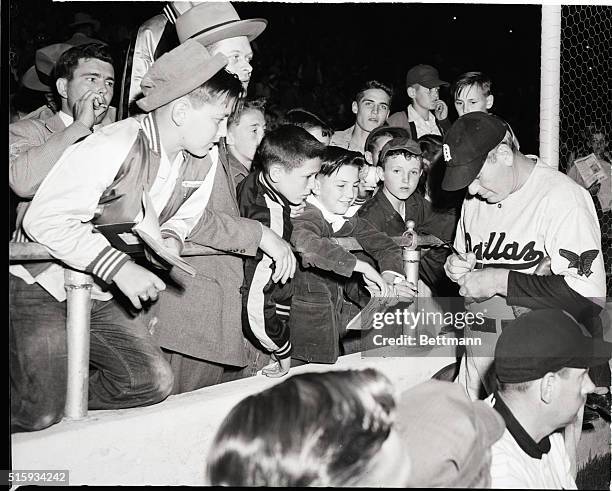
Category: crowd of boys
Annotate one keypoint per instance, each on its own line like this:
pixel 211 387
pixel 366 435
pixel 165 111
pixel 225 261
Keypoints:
pixel 262 208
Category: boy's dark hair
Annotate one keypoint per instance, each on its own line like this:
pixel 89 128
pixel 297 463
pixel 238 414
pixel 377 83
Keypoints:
pixel 69 60
pixel 374 84
pixel 258 104
pixel 376 133
pixel 467 79
pixel 288 146
pixel 431 146
pixel 307 120
pixel 335 157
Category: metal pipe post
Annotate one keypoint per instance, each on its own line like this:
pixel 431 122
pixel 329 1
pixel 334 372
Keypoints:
pixel 78 314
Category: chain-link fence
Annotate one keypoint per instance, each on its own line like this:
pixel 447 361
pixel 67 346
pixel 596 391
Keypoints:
pixel 585 115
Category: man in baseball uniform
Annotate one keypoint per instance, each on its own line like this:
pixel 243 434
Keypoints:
pixel 520 214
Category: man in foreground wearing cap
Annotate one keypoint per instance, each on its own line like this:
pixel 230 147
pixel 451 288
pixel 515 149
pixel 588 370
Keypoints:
pixel 522 214
pixel 85 83
pixel 542 361
pixel 103 180
pixel 423 86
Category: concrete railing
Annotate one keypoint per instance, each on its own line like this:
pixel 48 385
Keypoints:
pixel 78 303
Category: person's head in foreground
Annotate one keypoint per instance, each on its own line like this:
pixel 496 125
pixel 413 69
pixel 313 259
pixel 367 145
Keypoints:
pixel 191 93
pixel 542 363
pixel 343 428
pixel 290 158
pixel 481 154
pixel 449 436
pixel 337 181
pixel 313 429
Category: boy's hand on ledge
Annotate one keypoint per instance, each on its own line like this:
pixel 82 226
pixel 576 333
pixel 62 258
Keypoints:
pixel 138 283
pixel 281 253
pixel 372 278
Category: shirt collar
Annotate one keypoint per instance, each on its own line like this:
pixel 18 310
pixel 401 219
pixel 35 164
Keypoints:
pixel 336 221
pixel 520 435
pixel 66 118
pixel 149 126
pixel 415 116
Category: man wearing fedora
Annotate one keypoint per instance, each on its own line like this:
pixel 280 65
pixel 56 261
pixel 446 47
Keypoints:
pixel 522 214
pixel 542 362
pixel 103 180
pixel 85 83
pixel 214 24
pixel 84 27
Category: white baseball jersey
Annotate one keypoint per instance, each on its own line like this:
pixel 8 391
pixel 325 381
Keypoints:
pixel 550 215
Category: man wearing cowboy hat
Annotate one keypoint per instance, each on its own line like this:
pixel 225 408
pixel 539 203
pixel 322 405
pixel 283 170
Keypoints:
pixel 207 352
pixel 104 179
pixel 214 24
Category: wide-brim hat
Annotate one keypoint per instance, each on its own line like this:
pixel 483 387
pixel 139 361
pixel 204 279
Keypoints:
pixel 177 73
pixel 81 18
pixel 40 76
pixel 209 22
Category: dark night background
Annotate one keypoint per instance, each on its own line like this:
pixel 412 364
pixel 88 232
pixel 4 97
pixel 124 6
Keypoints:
pixel 317 55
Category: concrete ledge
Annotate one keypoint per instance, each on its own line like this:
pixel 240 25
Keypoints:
pixel 166 444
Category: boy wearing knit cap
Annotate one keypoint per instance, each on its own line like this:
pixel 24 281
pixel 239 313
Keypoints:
pixel 103 180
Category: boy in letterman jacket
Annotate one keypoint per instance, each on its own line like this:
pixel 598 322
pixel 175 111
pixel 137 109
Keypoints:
pixel 285 166
pixel 99 181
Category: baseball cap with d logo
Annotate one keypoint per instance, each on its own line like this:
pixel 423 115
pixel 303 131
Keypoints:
pixel 466 146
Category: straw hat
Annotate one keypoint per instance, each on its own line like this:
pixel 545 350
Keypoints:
pixel 209 22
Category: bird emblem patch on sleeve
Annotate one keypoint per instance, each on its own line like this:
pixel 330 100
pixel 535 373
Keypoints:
pixel 581 262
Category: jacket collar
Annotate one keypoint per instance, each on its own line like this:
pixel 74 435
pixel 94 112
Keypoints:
pixel 520 435
pixel 55 123
pixel 274 196
pixel 151 131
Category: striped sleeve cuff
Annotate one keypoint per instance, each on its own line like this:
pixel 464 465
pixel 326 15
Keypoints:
pixel 107 263
pixel 284 352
